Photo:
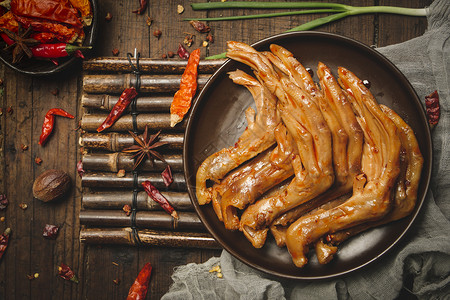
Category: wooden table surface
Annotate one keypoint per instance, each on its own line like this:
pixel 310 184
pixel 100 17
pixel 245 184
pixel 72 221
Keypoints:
pixel 31 97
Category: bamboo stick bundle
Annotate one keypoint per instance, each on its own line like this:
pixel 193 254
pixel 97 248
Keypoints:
pixel 146 65
pixel 116 83
pixel 115 142
pixel 144 219
pixel 113 162
pixel 111 180
pixel 90 122
pixel 145 103
pixel 124 236
pixel 117 199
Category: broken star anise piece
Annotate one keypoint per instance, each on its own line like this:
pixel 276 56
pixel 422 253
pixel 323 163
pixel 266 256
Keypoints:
pixel 21 44
pixel 145 147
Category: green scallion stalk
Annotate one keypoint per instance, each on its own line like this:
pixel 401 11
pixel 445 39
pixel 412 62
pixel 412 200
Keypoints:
pixel 264 5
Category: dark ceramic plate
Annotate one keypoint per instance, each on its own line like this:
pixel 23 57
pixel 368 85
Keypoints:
pixel 217 120
pixel 39 67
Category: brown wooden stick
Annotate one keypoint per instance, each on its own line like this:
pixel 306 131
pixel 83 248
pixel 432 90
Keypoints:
pixel 144 103
pixel 144 219
pixel 121 64
pixel 110 180
pixel 125 123
pixel 116 83
pixel 113 162
pixel 123 236
pixel 116 142
pixel 117 199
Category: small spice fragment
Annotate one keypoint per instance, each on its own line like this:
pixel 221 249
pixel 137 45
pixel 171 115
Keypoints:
pixel 164 56
pixel 200 26
pixel 170 54
pixel 116 281
pixel 50 232
pixel 149 21
pixel 205 44
pixel 159 198
pixel 189 39
pixel 218 270
pixel 142 7
pixel 121 173
pixel 55 92
pixel 10 110
pixel 2 219
pixel 127 209
pixel 24 147
pixel 80 169
pixel 4 240
pixel 115 52
pixel 139 288
pixel 182 52
pixel 38 160
pixel 23 206
pixel 1 81
pixel 167 176
pixel 183 97
pixel 210 38
pixel 124 101
pixel 1 110
pixel 65 272
pixel 3 202
pixel 180 9
pixel 49 123
pixel 108 17
pixel 157 33
pixel 433 108
pixel 33 276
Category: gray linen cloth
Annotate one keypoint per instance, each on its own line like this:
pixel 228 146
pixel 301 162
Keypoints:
pixel 423 255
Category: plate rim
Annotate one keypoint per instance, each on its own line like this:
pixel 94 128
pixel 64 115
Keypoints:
pixel 399 75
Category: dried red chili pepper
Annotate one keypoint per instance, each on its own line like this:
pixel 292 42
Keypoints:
pixel 159 198
pixel 55 50
pixel 167 176
pixel 124 101
pixel 183 97
pixel 49 122
pixel 200 26
pixel 50 231
pixel 3 202
pixel 182 52
pixel 142 7
pixel 53 10
pixel 44 37
pixel 7 21
pixel 80 169
pixel 66 273
pixel 138 290
pixel 4 240
pixel 433 108
pixel 85 9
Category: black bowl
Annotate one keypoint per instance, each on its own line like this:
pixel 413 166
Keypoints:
pixel 217 120
pixel 40 67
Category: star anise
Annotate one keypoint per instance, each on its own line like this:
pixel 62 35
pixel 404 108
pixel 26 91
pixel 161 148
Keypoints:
pixel 145 147
pixel 21 43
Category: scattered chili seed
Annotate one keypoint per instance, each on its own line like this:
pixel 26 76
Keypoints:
pixel 2 219
pixel 433 108
pixel 55 92
pixel 10 110
pixel 210 38
pixel 116 281
pixel 170 54
pixel 189 39
pixel 23 206
pixel 108 17
pixel 205 44
pixel 37 160
pixel 114 263
pixel 200 26
pixel 24 147
pixel 80 169
pixel 66 273
pixel 180 9
pixel 115 52
pixel 149 21
pixel 33 276
pixel 3 202
pixel 127 209
pixel 121 173
pixel 50 232
pixel 1 111
pixel 182 52
pixel 164 56
pixel 157 33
